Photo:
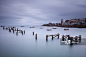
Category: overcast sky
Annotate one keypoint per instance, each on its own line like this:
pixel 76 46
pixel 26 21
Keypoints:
pixel 27 12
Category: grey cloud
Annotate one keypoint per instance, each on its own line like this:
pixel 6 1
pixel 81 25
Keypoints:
pixel 82 6
pixel 42 10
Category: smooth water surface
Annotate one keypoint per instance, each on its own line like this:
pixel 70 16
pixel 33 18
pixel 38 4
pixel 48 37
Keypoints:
pixel 12 45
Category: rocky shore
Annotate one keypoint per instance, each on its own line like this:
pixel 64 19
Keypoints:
pixel 71 26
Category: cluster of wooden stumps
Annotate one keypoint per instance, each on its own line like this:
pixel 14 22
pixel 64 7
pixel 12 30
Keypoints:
pixel 75 39
pixel 53 36
pixel 35 35
pixel 14 29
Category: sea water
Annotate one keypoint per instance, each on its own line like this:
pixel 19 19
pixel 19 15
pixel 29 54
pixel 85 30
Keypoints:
pixel 12 45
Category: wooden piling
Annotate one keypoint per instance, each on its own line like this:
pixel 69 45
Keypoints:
pixel 62 37
pixel 71 38
pixel 36 36
pixel 68 37
pixel 13 27
pixel 79 37
pixel 13 30
pixel 9 30
pixel 6 28
pixel 33 32
pixel 58 35
pixel 24 31
pixel 76 38
pixel 52 37
pixel 46 37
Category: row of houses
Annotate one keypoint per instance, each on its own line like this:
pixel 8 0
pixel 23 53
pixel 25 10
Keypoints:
pixel 75 22
pixel 68 22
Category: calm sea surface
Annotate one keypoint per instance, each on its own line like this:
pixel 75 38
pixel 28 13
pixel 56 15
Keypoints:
pixel 12 45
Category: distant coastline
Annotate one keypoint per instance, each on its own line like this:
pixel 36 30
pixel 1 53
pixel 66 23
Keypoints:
pixel 71 26
pixel 73 23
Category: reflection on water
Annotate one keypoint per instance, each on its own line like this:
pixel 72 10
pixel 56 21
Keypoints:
pixel 71 45
pixel 27 45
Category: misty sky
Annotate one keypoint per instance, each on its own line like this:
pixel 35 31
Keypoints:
pixel 27 12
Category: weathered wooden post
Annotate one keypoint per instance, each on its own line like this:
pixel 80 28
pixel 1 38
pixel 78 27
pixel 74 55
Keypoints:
pixel 33 32
pixel 62 37
pixel 24 31
pixel 13 27
pixel 46 37
pixel 71 38
pixel 58 35
pixel 79 37
pixel 76 38
pixel 36 36
pixel 6 28
pixel 13 30
pixel 68 37
pixel 9 30
pixel 52 37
